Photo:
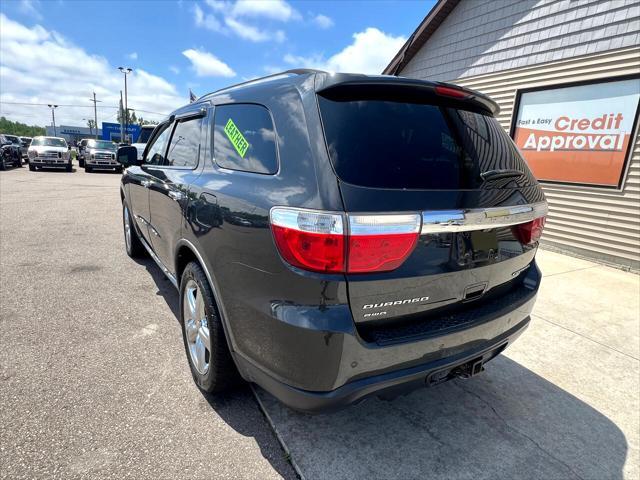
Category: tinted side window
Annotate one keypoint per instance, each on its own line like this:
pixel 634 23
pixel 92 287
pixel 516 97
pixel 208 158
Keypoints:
pixel 184 148
pixel 244 139
pixel 155 154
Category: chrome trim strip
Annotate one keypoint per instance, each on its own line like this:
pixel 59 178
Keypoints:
pixel 443 221
pixel 155 258
pixel 383 224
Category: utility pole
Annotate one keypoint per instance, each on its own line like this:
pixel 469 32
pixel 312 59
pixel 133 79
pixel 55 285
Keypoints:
pixel 95 111
pixel 53 116
pixel 126 71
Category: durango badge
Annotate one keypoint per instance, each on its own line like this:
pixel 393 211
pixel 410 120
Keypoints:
pixel 396 302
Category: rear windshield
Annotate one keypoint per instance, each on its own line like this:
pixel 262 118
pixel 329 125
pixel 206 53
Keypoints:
pixel 389 144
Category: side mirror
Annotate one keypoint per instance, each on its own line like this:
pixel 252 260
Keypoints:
pixel 128 156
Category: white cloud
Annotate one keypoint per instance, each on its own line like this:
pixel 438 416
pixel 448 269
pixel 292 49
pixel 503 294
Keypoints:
pixel 272 9
pixel 174 69
pixel 132 56
pixel 207 20
pixel 323 21
pixel 30 7
pixel 41 66
pixel 230 18
pixel 245 31
pixel 206 64
pixel 370 51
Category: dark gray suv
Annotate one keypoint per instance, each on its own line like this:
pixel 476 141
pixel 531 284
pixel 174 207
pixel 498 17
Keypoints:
pixel 337 236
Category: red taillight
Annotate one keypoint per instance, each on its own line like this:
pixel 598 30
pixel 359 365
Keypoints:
pixel 379 253
pixel 530 232
pixel 451 92
pixel 317 241
pixel 319 252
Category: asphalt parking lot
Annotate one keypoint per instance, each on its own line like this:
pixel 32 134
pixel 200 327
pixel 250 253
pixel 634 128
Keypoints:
pixel 94 379
pixel 95 384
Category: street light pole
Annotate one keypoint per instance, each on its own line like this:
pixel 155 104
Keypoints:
pixel 126 71
pixel 53 116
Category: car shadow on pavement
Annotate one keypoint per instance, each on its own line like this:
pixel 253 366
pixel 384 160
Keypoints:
pixel 232 406
pixel 508 423
pixel 165 288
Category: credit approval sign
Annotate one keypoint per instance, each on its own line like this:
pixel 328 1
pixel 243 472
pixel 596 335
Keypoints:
pixel 578 134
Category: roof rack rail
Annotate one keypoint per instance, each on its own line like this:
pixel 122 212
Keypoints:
pixel 294 71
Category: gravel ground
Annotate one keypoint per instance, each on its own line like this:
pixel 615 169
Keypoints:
pixel 94 379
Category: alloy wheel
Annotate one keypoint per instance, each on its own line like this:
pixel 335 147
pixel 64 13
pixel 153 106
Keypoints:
pixel 196 327
pixel 127 228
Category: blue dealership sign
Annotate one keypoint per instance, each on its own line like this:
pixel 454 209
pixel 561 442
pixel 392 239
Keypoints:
pixel 111 131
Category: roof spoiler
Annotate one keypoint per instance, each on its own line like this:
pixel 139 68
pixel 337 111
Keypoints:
pixel 380 84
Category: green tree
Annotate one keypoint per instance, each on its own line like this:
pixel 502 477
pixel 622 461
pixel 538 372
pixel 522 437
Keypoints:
pixel 132 117
pixel 92 126
pixel 142 121
pixel 21 129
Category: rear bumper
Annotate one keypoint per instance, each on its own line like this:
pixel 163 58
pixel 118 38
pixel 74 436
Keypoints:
pixel 320 369
pixel 388 385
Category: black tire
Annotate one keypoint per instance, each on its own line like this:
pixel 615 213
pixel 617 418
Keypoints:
pixel 134 247
pixel 88 169
pixel 32 168
pixel 119 170
pixel 19 162
pixel 222 374
pixel 69 167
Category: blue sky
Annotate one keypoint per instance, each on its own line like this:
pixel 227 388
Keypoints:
pixel 61 50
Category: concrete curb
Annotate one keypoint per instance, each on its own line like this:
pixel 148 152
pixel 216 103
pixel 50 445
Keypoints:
pixel 295 466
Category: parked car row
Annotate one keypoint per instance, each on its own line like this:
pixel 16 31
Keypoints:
pixel 41 151
pixel 55 152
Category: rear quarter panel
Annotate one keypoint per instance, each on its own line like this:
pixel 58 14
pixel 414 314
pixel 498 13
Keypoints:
pixel 265 302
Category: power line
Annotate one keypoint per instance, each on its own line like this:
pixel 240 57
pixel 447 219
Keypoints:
pixel 60 104
pixel 77 106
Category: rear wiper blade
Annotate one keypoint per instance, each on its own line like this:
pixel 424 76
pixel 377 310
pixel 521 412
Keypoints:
pixel 502 173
